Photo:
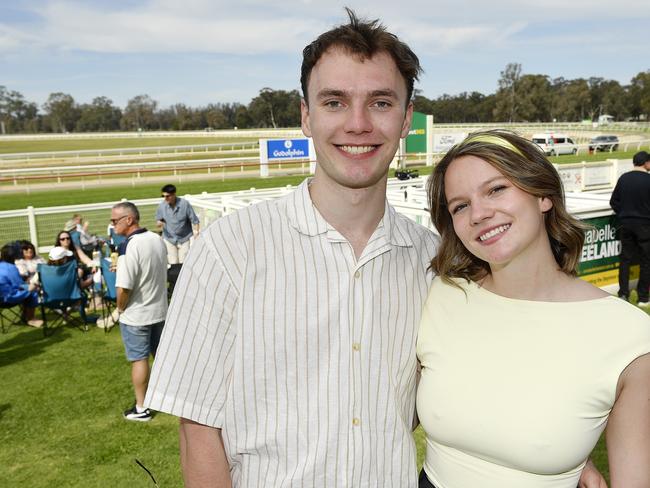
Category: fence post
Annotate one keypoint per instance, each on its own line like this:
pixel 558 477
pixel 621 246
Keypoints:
pixel 31 218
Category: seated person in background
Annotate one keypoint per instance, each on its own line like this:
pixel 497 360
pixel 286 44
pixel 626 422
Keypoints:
pixel 28 263
pixel 13 290
pixel 84 263
pixel 89 242
pixel 59 255
pixel 73 224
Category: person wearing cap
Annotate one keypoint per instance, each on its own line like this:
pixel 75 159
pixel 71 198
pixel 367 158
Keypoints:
pixel 13 290
pixel 631 202
pixel 178 221
pixel 59 255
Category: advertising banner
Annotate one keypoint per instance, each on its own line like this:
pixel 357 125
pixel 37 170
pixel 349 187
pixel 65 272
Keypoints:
pixel 600 252
pixel 287 149
pixel 416 141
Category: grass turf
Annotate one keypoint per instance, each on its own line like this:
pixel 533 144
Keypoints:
pixel 47 145
pixel 60 411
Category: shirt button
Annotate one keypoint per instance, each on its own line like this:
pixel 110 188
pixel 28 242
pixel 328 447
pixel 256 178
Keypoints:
pixel 357 274
pixel 356 346
pixel 356 422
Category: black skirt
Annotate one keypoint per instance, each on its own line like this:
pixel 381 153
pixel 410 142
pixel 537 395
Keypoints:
pixel 424 481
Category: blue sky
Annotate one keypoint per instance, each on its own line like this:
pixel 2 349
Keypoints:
pixel 206 51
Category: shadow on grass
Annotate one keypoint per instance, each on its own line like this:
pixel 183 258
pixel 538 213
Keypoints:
pixel 26 343
pixel 3 408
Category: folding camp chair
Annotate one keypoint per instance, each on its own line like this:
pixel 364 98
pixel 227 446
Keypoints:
pixel 60 290
pixel 10 314
pixel 115 239
pixel 108 293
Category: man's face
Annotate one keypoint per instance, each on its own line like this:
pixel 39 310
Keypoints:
pixel 121 221
pixel 170 198
pixel 357 113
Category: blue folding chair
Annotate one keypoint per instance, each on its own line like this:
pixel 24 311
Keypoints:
pixel 11 312
pixel 109 292
pixel 60 290
pixel 116 239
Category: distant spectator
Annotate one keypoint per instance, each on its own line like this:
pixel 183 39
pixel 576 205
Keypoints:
pixel 89 242
pixel 141 285
pixel 28 263
pixel 73 224
pixel 631 202
pixel 84 263
pixel 178 222
pixel 58 256
pixel 13 289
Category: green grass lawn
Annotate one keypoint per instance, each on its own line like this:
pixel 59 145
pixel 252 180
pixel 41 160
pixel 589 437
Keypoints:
pixel 61 416
pixel 7 147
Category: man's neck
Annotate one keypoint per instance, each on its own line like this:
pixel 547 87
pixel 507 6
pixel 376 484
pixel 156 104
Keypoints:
pixel 355 213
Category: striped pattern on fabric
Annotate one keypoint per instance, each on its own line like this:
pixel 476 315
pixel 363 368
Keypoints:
pixel 302 354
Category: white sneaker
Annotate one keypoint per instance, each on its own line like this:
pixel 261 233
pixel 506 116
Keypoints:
pixel 643 304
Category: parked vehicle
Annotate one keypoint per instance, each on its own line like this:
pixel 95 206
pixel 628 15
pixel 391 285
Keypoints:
pixel 604 143
pixel 405 174
pixel 554 144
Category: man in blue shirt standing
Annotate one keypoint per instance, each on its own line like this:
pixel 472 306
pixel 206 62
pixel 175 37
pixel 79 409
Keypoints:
pixel 178 222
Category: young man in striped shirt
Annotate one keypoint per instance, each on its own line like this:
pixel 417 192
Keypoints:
pixel 289 349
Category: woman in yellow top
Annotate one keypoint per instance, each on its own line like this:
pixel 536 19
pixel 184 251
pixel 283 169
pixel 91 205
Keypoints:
pixel 523 364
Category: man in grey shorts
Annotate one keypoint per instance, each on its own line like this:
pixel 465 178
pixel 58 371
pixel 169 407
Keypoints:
pixel 141 284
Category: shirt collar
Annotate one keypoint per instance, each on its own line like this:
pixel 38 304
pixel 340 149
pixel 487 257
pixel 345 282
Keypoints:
pixel 307 220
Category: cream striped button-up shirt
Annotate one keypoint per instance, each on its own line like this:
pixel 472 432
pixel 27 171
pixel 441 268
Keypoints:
pixel 302 354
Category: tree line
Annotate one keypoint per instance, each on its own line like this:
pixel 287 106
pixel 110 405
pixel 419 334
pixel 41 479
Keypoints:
pixel 518 98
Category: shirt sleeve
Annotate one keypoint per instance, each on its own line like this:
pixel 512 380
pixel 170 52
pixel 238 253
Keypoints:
pixel 159 213
pixel 191 214
pixel 127 269
pixel 193 368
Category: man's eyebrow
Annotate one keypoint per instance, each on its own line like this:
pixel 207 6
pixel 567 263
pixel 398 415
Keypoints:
pixel 330 92
pixel 333 92
pixel 387 92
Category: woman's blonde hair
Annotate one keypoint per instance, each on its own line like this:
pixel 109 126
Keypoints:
pixel 525 165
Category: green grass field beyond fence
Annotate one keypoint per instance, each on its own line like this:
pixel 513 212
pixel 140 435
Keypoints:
pixel 61 423
pixel 47 145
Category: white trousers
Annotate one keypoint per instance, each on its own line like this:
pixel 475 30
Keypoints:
pixel 176 252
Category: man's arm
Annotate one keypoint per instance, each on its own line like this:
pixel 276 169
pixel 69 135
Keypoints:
pixel 203 457
pixel 122 298
pixel 591 477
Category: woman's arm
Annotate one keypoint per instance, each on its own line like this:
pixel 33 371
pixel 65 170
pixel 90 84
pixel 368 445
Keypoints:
pixel 628 428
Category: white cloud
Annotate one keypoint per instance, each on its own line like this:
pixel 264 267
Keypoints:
pixel 258 26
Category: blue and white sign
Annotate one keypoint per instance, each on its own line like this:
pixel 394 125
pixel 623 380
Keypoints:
pixel 287 149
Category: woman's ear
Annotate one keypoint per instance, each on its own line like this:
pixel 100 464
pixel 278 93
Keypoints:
pixel 545 204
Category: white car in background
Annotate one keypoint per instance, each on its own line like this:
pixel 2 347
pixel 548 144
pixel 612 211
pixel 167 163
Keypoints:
pixel 555 144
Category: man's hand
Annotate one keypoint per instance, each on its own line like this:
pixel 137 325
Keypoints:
pixel 591 477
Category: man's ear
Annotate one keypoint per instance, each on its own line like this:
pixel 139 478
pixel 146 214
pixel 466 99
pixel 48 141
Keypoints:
pixel 304 117
pixel 408 117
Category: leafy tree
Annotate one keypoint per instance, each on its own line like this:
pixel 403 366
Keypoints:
pixel 275 108
pixel 140 114
pixel 99 116
pixel 16 113
pixel 640 95
pixel 506 103
pixel 534 98
pixel 62 112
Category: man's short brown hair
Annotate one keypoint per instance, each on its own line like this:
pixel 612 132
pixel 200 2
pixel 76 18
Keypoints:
pixel 364 39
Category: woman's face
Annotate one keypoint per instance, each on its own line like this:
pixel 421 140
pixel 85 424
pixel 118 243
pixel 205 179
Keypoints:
pixel 28 253
pixel 495 220
pixel 65 241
